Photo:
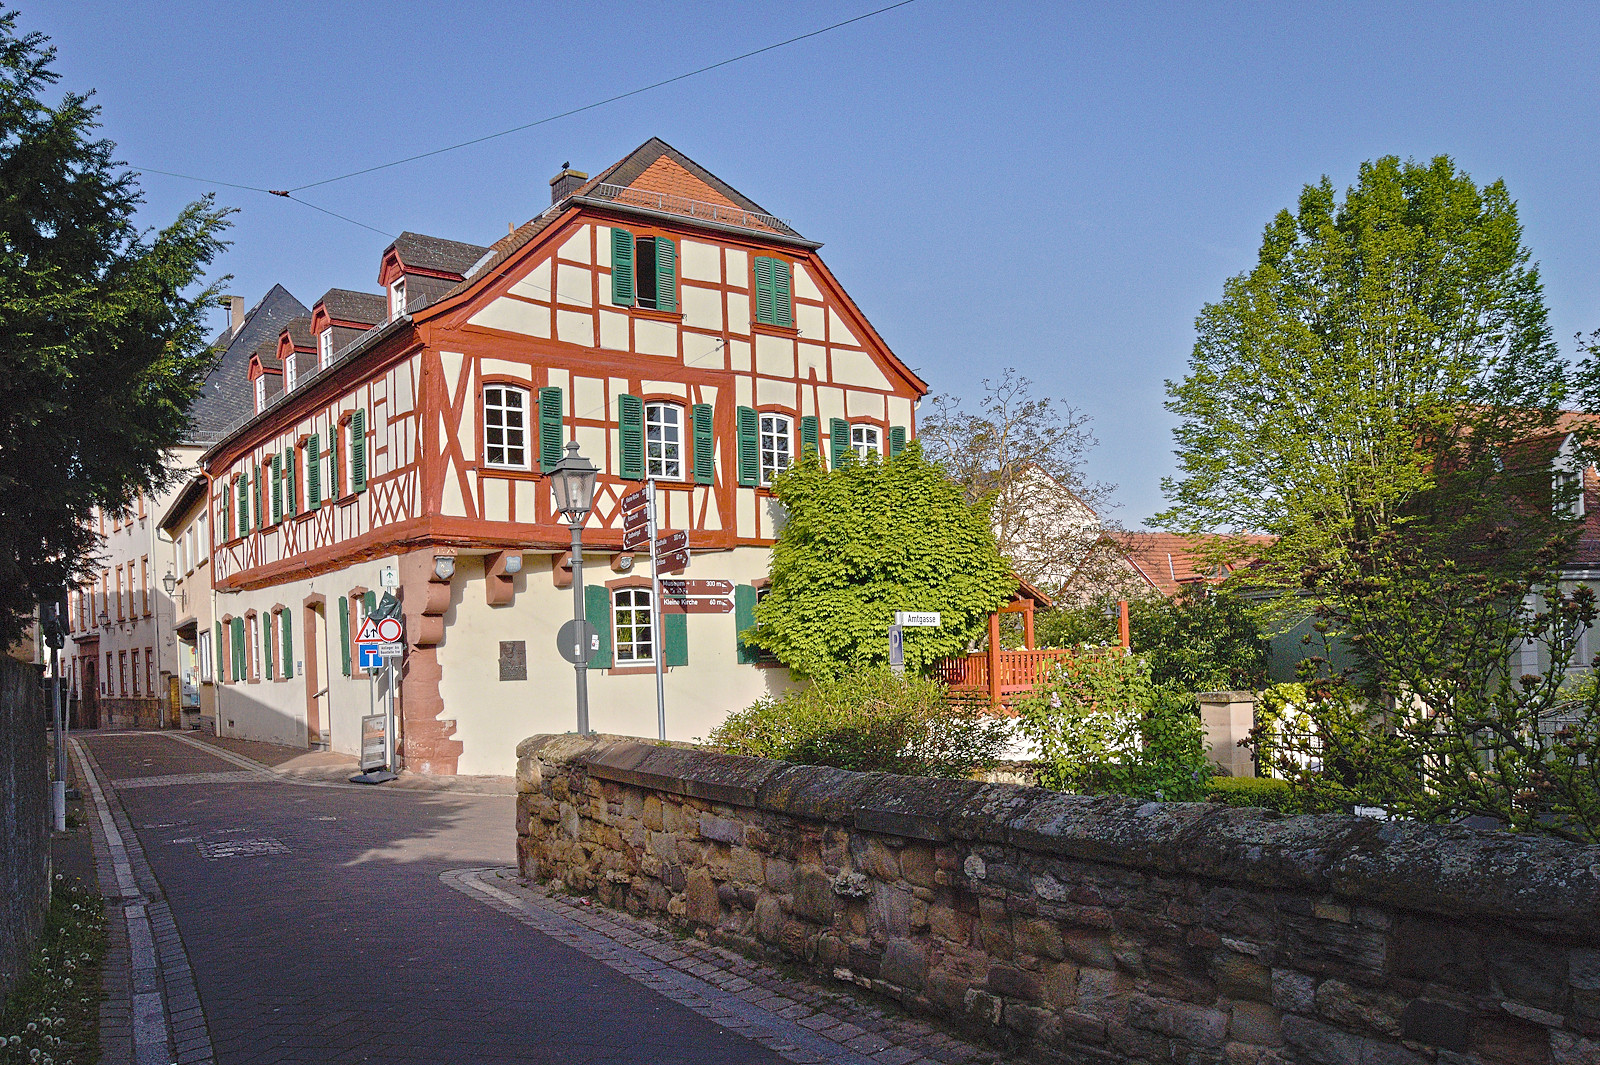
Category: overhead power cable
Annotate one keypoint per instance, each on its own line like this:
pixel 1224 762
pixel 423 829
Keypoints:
pixel 289 194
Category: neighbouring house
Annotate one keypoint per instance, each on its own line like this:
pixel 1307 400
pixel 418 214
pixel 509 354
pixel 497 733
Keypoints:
pixel 185 525
pixel 653 314
pixel 1168 563
pixel 124 652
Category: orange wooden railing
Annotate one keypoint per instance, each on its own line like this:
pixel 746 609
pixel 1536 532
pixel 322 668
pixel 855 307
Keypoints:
pixel 1018 672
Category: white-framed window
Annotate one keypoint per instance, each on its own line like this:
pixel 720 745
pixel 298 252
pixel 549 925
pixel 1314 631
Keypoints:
pixel 663 441
pixel 325 348
pixel 289 373
pixel 203 648
pixel 775 444
pixel 632 621
pixel 505 426
pixel 397 299
pixel 865 439
pixel 261 393
pixel 255 646
pixel 183 554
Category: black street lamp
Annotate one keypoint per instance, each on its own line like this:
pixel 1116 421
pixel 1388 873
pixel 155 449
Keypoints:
pixel 572 482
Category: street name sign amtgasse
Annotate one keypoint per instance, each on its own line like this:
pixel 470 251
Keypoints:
pixel 917 619
pixel 636 499
pixel 670 587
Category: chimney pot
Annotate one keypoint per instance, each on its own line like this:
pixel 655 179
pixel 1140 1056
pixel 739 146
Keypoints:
pixel 235 305
pixel 566 183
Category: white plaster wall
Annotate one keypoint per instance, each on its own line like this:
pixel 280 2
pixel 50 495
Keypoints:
pixel 492 716
pixel 275 710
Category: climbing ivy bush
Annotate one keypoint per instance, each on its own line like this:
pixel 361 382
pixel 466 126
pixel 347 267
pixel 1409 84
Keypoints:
pixel 862 541
pixel 1103 727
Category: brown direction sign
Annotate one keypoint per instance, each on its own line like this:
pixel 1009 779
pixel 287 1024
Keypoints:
pixel 675 562
pixel 673 542
pixel 682 588
pixel 636 499
pixel 697 606
pixel 633 539
pixel 636 519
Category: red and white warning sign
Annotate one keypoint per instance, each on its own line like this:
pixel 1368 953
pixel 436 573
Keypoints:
pixel 375 631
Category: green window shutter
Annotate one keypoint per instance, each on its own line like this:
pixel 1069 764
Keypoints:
pixel 897 440
pixel 550 442
pixel 597 611
pixel 782 303
pixel 371 599
pixel 810 440
pixel 239 672
pixel 219 656
pixel 287 627
pixel 630 421
pixel 266 644
pixel 705 467
pixel 749 460
pixel 291 495
pixel 675 638
pixel 358 451
pixel 838 442
pixel 344 634
pixel 314 472
pixel 259 497
pixel 622 268
pixel 666 275
pixel 763 266
pixel 227 519
pixel 277 489
pixel 744 619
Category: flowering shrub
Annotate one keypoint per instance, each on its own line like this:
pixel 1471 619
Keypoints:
pixel 870 721
pixel 1102 726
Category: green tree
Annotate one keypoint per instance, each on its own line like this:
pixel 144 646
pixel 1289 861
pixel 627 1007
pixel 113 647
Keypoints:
pixel 861 542
pixel 101 351
pixel 1204 639
pixel 1382 393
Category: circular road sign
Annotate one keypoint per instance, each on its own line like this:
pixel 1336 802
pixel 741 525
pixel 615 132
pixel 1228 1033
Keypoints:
pixel 389 630
pixel 577 641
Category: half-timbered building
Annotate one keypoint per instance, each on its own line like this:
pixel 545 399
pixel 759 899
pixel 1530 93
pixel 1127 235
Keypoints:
pixel 654 315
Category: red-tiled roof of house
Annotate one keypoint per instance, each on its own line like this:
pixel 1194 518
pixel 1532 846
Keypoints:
pixel 1170 561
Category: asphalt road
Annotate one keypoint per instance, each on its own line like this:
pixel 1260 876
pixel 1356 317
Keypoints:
pixel 318 930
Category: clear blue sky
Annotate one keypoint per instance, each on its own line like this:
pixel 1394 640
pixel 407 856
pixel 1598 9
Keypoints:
pixel 1055 187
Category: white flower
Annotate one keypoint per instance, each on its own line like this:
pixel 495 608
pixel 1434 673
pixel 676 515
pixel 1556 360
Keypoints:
pixel 69 981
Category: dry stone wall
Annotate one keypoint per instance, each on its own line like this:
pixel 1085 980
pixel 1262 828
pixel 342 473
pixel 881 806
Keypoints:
pixel 1094 929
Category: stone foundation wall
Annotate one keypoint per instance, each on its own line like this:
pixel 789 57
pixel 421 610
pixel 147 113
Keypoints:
pixel 1094 929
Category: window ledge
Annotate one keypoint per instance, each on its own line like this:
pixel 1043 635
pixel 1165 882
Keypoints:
pixel 775 330
pixel 634 670
pixel 510 473
pixel 650 312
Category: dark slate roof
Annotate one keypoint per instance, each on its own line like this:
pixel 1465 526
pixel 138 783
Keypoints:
pixel 225 398
pixel 347 305
pixel 266 354
pixel 436 253
pixel 300 332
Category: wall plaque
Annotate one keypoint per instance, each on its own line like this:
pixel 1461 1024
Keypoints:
pixel 513 660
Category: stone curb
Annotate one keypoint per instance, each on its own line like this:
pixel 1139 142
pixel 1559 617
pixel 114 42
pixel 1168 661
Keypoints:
pixel 800 1022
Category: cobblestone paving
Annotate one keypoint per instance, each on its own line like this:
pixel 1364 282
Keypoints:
pixel 288 923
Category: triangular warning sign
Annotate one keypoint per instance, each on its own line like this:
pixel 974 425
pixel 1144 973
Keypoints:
pixel 369 632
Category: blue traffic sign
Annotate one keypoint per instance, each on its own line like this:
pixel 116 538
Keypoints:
pixel 370 659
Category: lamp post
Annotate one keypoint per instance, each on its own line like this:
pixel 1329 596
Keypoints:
pixel 572 481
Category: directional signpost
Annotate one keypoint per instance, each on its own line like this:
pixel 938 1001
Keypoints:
pixel 380 641
pixel 903 620
pixel 696 597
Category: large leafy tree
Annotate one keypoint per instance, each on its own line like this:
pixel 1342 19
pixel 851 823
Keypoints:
pixel 863 541
pixel 102 345
pixel 1382 392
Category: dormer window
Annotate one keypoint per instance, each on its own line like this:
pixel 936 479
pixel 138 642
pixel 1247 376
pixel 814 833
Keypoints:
pixel 261 393
pixel 325 348
pixel 1567 480
pixel 397 299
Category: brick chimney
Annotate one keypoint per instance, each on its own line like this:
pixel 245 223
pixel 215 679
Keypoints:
pixel 235 305
pixel 566 183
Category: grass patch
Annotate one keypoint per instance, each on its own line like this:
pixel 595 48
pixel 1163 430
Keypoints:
pixel 52 1016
